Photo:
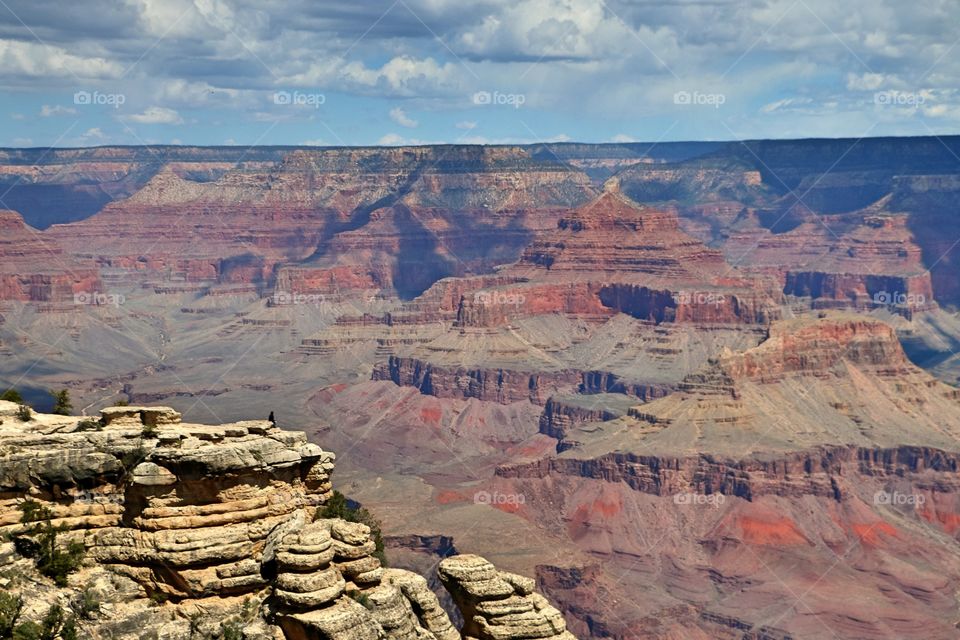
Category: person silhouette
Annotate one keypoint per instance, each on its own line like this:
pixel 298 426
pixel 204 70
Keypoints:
pixel 272 420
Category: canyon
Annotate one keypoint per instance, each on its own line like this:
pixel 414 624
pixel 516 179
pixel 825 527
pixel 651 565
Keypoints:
pixel 694 390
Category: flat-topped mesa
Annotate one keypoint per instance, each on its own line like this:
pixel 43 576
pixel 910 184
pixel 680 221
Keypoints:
pixel 806 347
pixel 210 518
pixel 34 268
pixel 841 379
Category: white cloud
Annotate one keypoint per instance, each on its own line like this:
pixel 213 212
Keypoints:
pixel 622 137
pixel 396 140
pixel 56 110
pixel 156 115
pixel 398 115
pixel 556 29
pixel 469 125
pixel 90 137
pixel 35 60
pixel 786 103
pixel 866 81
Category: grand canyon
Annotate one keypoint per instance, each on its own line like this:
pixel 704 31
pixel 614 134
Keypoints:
pixel 701 390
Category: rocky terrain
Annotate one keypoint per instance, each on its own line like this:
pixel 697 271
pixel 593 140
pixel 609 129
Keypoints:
pixel 694 390
pixel 186 530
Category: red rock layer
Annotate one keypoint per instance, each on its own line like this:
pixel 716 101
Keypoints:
pixel 503 386
pixel 393 219
pixel 818 347
pixel 622 240
pixel 35 269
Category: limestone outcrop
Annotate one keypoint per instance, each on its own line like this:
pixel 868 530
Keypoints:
pixel 217 525
pixel 497 605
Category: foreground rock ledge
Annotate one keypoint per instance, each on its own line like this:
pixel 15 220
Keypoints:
pixel 192 527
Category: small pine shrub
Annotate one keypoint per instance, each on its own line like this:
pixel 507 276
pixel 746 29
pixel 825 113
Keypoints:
pixel 360 597
pixel 11 607
pixel 62 406
pixel 40 542
pixel 159 598
pixel 12 395
pixel 24 413
pixel 231 631
pixel 89 424
pixel 54 626
pixel 86 605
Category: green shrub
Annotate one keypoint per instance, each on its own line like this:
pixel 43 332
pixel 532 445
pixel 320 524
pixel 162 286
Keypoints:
pixel 231 631
pixel 338 506
pixel 11 607
pixel 40 542
pixel 122 403
pixel 360 597
pixel 61 402
pixel 12 395
pixel 24 414
pixel 86 605
pixel 54 626
pixel 89 424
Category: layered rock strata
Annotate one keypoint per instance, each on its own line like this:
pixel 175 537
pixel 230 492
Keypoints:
pixel 34 268
pixel 202 516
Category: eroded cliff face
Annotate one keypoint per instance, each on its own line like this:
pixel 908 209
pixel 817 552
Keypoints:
pixel 822 447
pixel 34 268
pixel 190 528
pixel 333 220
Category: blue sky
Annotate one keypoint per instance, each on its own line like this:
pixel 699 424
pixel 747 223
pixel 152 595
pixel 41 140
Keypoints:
pixel 94 72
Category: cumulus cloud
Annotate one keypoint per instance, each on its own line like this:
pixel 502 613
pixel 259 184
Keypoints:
pixel 35 60
pixel 784 104
pixel 156 115
pixel 47 111
pixel 399 116
pixel 601 67
pixel 396 140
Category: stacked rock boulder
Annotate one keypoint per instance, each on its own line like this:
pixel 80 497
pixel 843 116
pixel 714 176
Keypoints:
pixel 497 605
pixel 222 523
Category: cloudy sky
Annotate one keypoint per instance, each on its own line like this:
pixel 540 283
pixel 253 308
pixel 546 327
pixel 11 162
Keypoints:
pixel 330 72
